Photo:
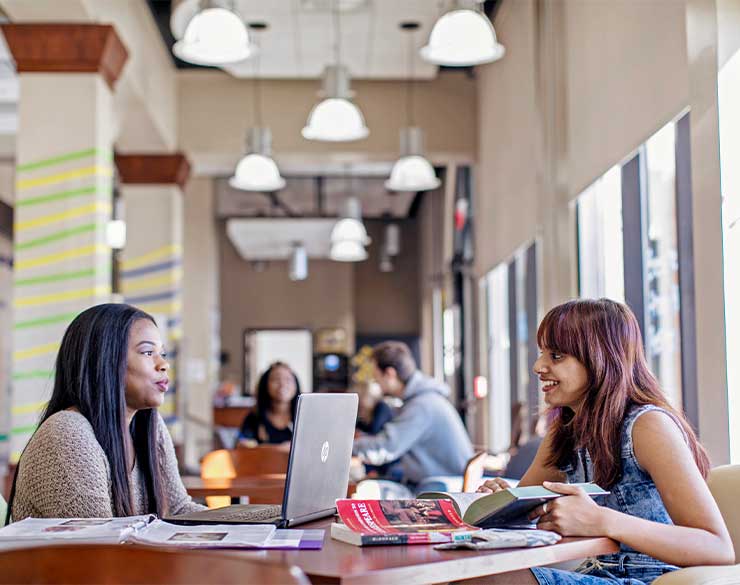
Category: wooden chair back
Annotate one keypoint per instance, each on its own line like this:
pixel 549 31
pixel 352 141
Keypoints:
pixel 473 474
pixel 263 460
pixel 128 564
pixel 245 462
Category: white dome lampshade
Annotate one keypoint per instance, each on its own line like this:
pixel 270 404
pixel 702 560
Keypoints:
pixel 412 173
pixel 462 38
pixel 336 118
pixel 257 171
pixel 214 36
pixel 349 230
pixel 348 251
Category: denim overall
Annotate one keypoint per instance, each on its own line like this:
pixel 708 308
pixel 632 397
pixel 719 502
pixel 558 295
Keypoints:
pixel 635 494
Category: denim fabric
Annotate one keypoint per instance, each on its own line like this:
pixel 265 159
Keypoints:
pixel 634 494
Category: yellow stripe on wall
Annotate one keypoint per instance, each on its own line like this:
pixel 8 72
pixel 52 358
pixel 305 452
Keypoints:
pixel 69 295
pixel 60 256
pixel 23 354
pixel 29 408
pixel 144 259
pixel 23 184
pixel 81 211
pixel 163 308
pixel 154 281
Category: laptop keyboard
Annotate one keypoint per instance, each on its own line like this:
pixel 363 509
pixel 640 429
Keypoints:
pixel 258 513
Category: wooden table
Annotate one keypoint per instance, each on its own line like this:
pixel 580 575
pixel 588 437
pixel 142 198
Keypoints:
pixel 343 563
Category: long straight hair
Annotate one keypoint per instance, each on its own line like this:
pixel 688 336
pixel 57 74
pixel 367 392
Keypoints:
pixel 604 337
pixel 91 377
pixel 264 400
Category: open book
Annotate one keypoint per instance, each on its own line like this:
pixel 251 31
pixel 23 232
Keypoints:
pixel 367 522
pixel 136 529
pixel 508 507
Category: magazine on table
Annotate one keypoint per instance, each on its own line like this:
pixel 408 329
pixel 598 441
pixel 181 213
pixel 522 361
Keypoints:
pixel 376 522
pixel 147 530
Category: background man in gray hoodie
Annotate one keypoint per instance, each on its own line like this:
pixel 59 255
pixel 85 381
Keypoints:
pixel 426 434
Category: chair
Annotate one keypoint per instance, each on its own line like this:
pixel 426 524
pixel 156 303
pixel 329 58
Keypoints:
pixel 724 483
pixel 128 564
pixel 242 462
pixel 473 474
pixel 3 510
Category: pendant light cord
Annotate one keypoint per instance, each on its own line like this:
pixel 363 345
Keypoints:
pixel 257 87
pixel 337 34
pixel 410 80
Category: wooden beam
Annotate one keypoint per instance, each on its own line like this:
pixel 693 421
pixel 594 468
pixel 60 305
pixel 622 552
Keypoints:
pixel 67 48
pixel 153 169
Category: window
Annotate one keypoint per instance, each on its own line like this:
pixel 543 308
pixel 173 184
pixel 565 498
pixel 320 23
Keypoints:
pixel 729 128
pixel 600 252
pixel 662 302
pixel 499 343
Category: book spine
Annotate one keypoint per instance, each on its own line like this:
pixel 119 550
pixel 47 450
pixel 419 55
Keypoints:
pixel 423 538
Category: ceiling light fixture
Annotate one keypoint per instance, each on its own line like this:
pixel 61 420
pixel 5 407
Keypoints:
pixel 214 36
pixel 257 171
pixel 348 236
pixel 411 172
pixel 298 269
pixel 463 37
pixel 336 118
pixel 392 244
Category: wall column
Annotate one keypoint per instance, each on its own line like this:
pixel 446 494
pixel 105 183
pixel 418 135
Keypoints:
pixel 151 262
pixel 62 196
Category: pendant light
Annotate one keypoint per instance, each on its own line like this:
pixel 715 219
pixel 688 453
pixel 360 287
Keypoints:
pixel 214 36
pixel 411 172
pixel 257 171
pixel 348 236
pixel 462 37
pixel 298 269
pixel 336 118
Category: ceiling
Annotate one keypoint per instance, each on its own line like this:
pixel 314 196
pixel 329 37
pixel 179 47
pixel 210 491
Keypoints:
pixel 299 39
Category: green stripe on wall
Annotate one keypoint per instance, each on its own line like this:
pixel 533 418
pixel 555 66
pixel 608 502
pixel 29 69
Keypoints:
pixel 33 375
pixel 54 277
pixel 60 235
pixel 66 317
pixel 55 196
pixel 47 162
pixel 23 430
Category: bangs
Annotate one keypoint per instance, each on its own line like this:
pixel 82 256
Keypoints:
pixel 559 330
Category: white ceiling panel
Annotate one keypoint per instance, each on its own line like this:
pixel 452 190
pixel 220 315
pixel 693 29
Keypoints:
pixel 299 40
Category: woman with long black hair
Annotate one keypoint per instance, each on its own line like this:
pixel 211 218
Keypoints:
pixel 277 400
pixel 101 448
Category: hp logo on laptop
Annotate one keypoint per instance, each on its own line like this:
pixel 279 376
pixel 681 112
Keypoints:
pixel 324 451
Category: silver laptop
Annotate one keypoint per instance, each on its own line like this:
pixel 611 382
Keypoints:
pixel 318 468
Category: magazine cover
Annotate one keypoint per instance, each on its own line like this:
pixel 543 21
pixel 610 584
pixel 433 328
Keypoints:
pixel 401 516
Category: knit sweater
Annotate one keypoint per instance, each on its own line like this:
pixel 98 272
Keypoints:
pixel 64 473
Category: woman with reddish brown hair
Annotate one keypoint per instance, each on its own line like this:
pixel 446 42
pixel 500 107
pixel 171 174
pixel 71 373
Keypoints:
pixel 612 425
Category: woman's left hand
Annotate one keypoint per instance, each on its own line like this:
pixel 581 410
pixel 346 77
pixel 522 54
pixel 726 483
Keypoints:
pixel 574 514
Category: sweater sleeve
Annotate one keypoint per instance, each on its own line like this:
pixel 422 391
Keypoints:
pixel 179 502
pixel 63 472
pixel 396 438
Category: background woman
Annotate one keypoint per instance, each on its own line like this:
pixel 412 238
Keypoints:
pixel 277 400
pixel 612 425
pixel 101 448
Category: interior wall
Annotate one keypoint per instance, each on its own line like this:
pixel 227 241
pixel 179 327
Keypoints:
pixel 388 302
pixel 252 298
pixel 215 135
pixel 625 74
